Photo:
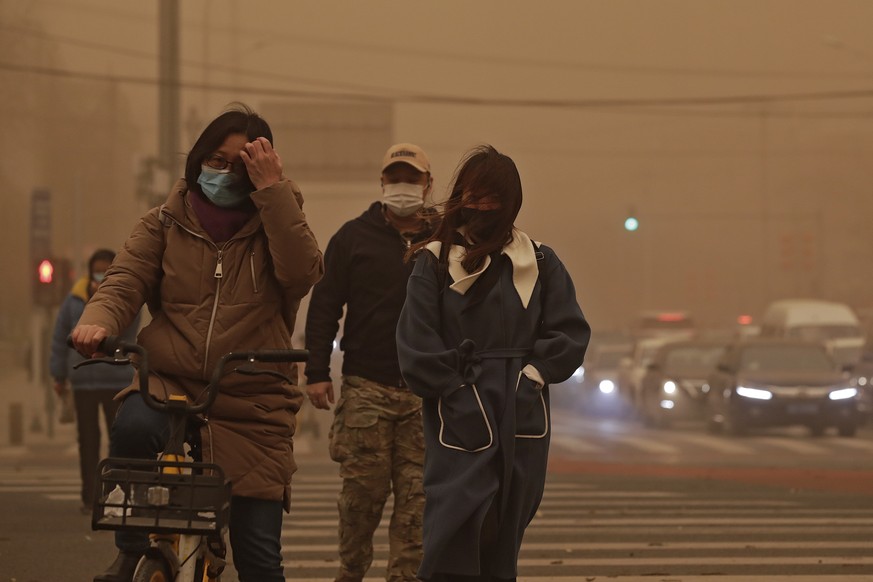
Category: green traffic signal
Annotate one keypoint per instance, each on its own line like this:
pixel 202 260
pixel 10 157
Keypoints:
pixel 631 224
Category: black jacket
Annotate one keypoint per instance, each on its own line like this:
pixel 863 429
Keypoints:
pixel 365 272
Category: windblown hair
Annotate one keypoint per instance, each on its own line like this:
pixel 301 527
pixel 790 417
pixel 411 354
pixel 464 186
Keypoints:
pixel 483 172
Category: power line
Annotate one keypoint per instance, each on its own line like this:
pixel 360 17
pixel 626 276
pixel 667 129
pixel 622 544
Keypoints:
pixel 638 104
pixel 466 57
pixel 151 56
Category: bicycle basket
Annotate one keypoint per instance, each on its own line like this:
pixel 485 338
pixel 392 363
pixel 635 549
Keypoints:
pixel 160 496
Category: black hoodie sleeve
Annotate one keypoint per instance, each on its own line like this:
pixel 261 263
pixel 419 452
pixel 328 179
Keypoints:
pixel 326 307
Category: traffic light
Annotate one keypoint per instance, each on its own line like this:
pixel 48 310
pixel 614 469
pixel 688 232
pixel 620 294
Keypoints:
pixel 51 281
pixel 631 224
pixel 46 271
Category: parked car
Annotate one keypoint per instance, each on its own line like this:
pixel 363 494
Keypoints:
pixel 675 383
pixel 778 382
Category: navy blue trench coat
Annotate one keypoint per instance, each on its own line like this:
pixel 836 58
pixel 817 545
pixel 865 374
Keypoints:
pixel 486 424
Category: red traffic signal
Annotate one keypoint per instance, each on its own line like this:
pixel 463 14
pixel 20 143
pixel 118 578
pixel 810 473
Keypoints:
pixel 46 271
pixel 52 282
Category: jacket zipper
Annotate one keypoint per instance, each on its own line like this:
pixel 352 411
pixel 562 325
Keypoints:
pixel 218 275
pixel 252 263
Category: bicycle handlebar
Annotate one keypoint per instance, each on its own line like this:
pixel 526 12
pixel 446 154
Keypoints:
pixel 266 356
pixel 115 345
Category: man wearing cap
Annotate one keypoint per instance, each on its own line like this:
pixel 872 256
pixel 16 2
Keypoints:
pixel 377 431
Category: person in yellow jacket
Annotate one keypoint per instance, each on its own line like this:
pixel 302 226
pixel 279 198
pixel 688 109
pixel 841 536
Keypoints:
pixel 91 387
pixel 222 264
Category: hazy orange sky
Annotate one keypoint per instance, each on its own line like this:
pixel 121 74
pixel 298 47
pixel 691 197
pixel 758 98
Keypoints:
pixel 722 189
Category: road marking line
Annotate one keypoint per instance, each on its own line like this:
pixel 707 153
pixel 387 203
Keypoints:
pixel 574 444
pixel 719 444
pixel 593 522
pixel 683 578
pixel 709 521
pixel 648 445
pixel 852 443
pixel 631 561
pixel 40 489
pixel 793 445
pixel 642 546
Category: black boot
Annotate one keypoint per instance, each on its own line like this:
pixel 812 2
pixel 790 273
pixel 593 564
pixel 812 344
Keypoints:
pixel 122 568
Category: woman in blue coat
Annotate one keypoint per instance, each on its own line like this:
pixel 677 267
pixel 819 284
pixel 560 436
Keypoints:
pixel 490 320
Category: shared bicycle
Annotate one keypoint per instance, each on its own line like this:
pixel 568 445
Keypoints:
pixel 182 503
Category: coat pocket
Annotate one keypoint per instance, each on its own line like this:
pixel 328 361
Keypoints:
pixel 464 425
pixel 354 431
pixel 531 415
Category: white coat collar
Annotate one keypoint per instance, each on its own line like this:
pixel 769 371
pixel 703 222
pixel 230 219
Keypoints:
pixel 520 252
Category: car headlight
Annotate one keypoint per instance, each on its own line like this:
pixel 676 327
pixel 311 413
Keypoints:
pixel 670 387
pixel 843 394
pixel 755 393
pixel 606 386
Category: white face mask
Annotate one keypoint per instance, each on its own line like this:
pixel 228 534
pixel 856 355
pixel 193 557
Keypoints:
pixel 403 199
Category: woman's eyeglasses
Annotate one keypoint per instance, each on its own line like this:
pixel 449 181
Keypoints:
pixel 217 162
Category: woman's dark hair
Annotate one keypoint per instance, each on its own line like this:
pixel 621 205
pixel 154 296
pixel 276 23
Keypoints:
pixel 238 118
pixel 483 173
pixel 100 255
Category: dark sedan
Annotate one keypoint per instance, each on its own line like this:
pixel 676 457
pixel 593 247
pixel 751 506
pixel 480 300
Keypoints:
pixel 780 382
pixel 675 384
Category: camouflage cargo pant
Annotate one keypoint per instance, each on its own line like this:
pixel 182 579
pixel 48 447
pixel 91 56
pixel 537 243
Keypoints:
pixel 377 439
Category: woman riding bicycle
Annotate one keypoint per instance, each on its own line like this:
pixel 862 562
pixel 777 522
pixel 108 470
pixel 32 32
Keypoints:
pixel 223 265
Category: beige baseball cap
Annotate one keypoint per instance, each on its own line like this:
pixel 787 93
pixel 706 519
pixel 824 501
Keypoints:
pixel 406 153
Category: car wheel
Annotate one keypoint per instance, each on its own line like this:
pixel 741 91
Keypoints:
pixel 847 430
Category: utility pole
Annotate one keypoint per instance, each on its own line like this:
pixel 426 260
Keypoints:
pixel 168 101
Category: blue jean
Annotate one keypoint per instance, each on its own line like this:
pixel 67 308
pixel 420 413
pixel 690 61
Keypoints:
pixel 255 524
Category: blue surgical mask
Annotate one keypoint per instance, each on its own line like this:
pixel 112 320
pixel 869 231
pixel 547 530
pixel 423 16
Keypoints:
pixel 98 277
pixel 223 188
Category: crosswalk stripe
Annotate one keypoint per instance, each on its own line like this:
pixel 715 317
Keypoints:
pixel 625 561
pixel 851 443
pixel 588 521
pixel 28 489
pixel 683 578
pixel 643 546
pixel 793 445
pixel 718 444
pixel 574 444
pixel 648 445
pixel 63 496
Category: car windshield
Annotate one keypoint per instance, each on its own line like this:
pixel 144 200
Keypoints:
pixel 646 355
pixel 782 358
pixel 824 332
pixel 692 359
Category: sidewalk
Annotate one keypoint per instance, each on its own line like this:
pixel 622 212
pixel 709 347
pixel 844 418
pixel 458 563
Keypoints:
pixel 24 419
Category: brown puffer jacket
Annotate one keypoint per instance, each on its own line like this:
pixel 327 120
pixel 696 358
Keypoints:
pixel 207 300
